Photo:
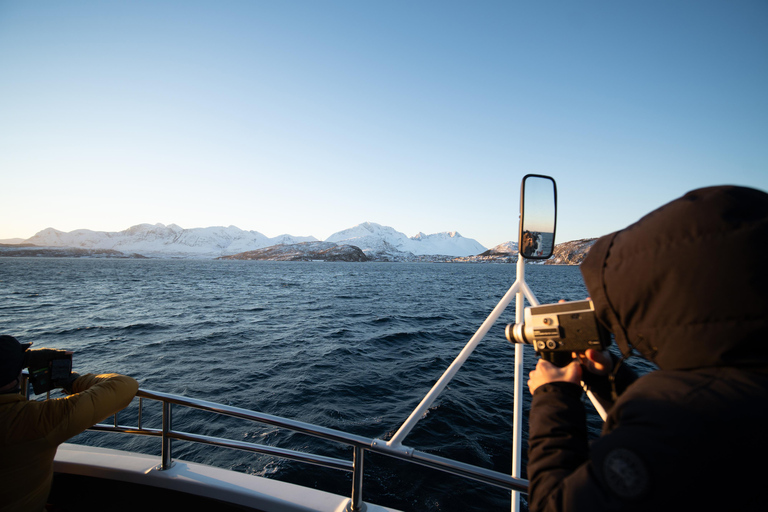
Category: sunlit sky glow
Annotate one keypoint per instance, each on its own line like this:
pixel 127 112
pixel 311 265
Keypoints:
pixel 309 117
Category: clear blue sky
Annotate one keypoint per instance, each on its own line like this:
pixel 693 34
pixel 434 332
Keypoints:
pixel 309 117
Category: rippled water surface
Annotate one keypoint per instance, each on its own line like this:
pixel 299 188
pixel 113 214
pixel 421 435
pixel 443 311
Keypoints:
pixel 351 346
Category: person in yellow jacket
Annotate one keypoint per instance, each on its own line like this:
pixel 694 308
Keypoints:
pixel 30 431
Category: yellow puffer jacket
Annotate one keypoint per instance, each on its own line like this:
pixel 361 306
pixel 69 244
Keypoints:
pixel 30 432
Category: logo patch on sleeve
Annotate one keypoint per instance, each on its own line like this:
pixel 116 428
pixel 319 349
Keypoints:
pixel 625 473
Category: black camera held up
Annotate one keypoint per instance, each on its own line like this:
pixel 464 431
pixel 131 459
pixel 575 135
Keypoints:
pixel 49 369
pixel 558 330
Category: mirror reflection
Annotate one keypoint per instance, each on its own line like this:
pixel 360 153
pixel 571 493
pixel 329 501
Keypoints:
pixel 538 217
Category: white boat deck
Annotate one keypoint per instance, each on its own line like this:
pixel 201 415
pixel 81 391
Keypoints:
pixel 249 491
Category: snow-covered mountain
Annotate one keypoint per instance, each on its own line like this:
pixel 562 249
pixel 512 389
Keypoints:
pixel 505 248
pixel 502 253
pixel 159 240
pixel 377 240
pixel 571 253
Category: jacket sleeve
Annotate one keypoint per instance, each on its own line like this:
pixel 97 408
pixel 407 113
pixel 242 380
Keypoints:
pixel 605 391
pixel 94 398
pixel 557 440
pixel 566 473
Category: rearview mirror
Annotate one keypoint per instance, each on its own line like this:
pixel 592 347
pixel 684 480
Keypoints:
pixel 538 217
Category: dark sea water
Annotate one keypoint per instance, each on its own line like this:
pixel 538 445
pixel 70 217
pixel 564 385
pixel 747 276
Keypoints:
pixel 350 346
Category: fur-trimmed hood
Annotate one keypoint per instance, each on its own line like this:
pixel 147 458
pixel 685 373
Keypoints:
pixel 687 285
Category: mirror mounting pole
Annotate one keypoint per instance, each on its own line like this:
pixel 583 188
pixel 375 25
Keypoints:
pixel 517 416
pixel 536 241
pixel 519 291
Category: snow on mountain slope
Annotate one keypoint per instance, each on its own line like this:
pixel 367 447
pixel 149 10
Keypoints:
pixel 374 238
pixel 505 248
pixel 450 243
pixel 159 240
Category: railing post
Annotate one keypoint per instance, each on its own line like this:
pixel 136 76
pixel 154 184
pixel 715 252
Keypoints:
pixel 166 458
pixel 418 413
pixel 356 503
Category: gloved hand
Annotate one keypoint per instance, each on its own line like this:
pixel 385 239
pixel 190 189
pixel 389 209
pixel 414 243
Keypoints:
pixel 66 384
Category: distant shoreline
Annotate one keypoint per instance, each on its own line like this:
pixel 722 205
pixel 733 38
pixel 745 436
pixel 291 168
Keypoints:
pixel 567 253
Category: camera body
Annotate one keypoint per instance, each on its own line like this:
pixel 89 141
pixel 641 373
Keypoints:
pixel 557 330
pixel 52 372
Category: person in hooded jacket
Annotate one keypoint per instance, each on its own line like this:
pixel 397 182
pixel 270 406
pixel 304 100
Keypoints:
pixel 686 287
pixel 31 431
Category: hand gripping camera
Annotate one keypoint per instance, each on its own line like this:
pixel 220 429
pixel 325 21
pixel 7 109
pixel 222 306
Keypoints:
pixel 48 369
pixel 558 330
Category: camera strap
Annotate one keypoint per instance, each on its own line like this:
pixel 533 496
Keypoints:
pixel 612 376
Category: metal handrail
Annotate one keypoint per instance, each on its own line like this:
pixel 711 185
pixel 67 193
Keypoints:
pixel 359 444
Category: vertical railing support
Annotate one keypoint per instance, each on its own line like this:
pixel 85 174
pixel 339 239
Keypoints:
pixel 517 431
pixel 418 413
pixel 166 457
pixel 356 503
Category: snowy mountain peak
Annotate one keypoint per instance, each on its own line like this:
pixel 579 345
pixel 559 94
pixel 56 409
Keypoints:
pixel 367 231
pixel 508 247
pixel 434 236
pixel 159 240
pixel 153 228
pixel 376 239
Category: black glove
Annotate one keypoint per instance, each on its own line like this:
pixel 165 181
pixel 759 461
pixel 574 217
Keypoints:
pixel 66 384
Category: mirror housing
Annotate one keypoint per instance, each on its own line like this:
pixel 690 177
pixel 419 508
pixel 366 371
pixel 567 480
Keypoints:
pixel 538 217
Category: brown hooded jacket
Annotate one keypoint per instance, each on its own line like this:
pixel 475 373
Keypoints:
pixel 686 287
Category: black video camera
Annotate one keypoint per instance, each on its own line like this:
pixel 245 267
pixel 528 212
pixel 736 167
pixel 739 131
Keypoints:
pixel 558 330
pixel 48 369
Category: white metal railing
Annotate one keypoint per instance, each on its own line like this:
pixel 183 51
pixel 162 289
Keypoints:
pixel 393 448
pixel 360 444
pixel 519 290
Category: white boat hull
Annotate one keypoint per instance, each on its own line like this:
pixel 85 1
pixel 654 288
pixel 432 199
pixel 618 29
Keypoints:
pixel 190 478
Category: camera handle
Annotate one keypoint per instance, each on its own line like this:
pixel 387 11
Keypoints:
pixel 560 359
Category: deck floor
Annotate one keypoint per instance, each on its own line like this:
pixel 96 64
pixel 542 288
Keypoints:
pixel 73 493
